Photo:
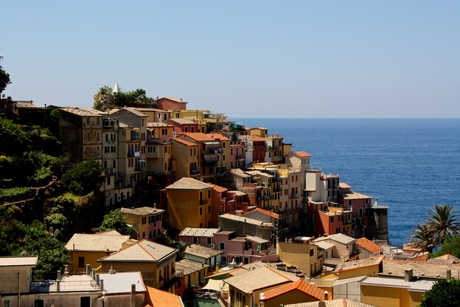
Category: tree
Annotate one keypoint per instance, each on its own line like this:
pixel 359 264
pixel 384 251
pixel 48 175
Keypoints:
pixel 115 220
pixel 52 255
pixel 445 293
pixel 83 178
pixel 450 246
pixel 442 223
pixel 105 99
pixel 422 238
pixel 4 79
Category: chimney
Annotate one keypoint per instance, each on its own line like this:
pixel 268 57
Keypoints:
pixel 326 295
pixel 88 269
pixel 58 276
pixel 408 275
pixel 133 295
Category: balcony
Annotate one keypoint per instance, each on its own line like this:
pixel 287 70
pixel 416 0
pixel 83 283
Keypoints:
pixel 203 201
pixel 210 159
pixel 294 195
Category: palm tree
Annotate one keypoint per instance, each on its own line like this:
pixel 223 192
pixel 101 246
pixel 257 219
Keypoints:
pixel 422 239
pixel 442 223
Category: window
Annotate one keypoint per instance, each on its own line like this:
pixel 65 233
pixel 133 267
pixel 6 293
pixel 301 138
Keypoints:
pixel 223 157
pixel 222 246
pixel 39 303
pixel 81 262
pixel 208 240
pixel 195 240
pixel 144 220
pixel 332 219
pixel 223 145
pixel 85 301
pixel 312 252
pixel 6 303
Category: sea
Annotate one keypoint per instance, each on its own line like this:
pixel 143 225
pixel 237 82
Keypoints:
pixel 408 164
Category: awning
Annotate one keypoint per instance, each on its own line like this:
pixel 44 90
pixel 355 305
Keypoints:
pixel 211 158
pixel 216 285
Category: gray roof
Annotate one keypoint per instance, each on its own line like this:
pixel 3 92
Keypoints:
pixel 350 265
pixel 255 279
pixel 201 251
pixel 256 239
pixel 96 242
pixel 121 282
pixel 142 211
pixel 198 232
pixel 143 251
pixel 187 183
pixel 245 219
pixel 338 237
pixel 190 266
pixel 18 261
pixel 414 286
pixel 420 268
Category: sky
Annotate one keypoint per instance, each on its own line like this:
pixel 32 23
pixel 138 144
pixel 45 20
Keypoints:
pixel 291 59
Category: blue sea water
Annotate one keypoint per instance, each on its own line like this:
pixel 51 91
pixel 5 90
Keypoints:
pixel 409 164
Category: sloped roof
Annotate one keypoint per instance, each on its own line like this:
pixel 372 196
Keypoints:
pixel 190 266
pixel 255 279
pixel 342 302
pixel 265 212
pixel 338 237
pixel 361 263
pixel 302 154
pixel 82 111
pixel 244 219
pixel 300 285
pixel 96 242
pixel 142 211
pixel 184 142
pixel 159 298
pixel 198 232
pixel 199 136
pixel 201 251
pixel 143 251
pixel 369 245
pixel 187 183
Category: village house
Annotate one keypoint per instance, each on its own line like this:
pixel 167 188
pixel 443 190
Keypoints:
pixel 85 248
pixel 155 261
pixel 146 221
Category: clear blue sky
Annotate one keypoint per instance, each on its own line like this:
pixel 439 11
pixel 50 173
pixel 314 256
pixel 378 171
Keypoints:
pixel 316 59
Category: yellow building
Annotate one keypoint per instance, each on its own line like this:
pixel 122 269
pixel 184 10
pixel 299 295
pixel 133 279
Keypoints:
pixel 306 257
pixel 88 248
pixel 393 292
pixel 245 289
pixel 363 267
pixel 155 261
pixel 189 203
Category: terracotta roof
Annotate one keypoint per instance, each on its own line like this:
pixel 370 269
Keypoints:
pixel 158 298
pixel 218 188
pixel 302 154
pixel 369 245
pixel 184 142
pixel 199 136
pixel 187 183
pixel 300 285
pixel 265 212
pixel 341 302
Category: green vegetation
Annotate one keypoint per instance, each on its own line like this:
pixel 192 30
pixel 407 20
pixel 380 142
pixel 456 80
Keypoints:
pixel 4 79
pixel 117 221
pixel 439 226
pixel 83 178
pixel 444 293
pixel 105 99
pixel 450 246
pixel 43 198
